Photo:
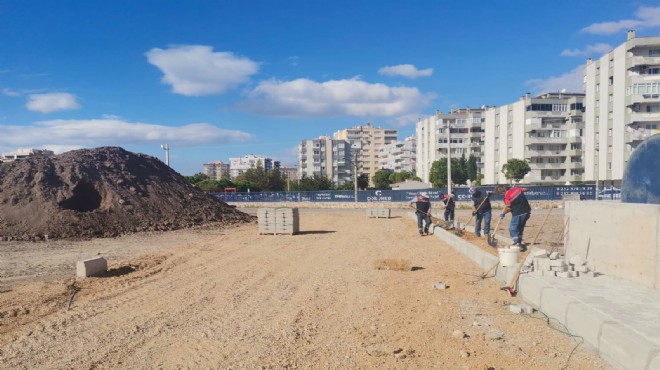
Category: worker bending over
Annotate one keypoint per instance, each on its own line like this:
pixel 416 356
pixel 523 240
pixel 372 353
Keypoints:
pixel 516 202
pixel 422 205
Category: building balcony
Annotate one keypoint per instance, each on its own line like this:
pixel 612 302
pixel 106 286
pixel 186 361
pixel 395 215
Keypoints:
pixel 644 61
pixel 644 117
pixel 573 152
pixel 546 166
pixel 574 165
pixel 573 178
pixel 642 98
pixel 545 153
pixel 639 135
pixel 545 140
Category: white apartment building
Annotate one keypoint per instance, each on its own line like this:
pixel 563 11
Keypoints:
pixel 237 166
pixel 24 153
pixel 545 130
pixel 622 106
pixel 366 140
pixel 466 135
pixel 398 156
pixel 325 157
pixel 216 170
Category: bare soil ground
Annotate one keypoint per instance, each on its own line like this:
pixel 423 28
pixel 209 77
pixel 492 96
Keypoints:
pixel 229 298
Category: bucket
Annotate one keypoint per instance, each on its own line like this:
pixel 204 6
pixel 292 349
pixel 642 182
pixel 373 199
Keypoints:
pixel 508 256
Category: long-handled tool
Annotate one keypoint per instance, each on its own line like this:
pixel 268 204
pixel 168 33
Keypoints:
pixel 434 220
pixel 491 268
pixel 511 288
pixel 492 239
pixel 460 231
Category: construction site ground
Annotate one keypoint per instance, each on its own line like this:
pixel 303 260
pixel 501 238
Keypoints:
pixel 230 298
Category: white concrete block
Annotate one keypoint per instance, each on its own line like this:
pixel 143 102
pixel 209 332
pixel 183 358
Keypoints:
pixel 540 253
pixel 625 348
pixel 559 268
pixel 554 255
pixel 582 268
pixel 550 273
pixel 563 274
pixel 515 308
pixel 558 263
pixel 90 267
pixel 577 260
pixel 527 308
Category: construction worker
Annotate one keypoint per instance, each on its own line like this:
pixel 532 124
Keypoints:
pixel 450 206
pixel 422 205
pixel 482 210
pixel 515 202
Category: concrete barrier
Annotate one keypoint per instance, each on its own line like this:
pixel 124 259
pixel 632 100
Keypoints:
pixel 91 267
pixel 617 239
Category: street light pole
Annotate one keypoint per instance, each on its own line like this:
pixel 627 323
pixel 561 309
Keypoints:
pixel 166 147
pixel 448 159
pixel 355 175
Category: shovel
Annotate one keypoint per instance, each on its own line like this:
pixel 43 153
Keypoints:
pixel 492 240
pixel 460 231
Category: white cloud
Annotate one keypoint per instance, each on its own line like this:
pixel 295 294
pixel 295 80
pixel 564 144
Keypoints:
pixel 69 134
pixel 405 70
pixel 196 70
pixel 590 50
pixel 646 17
pixel 570 81
pixel 9 92
pixel 52 102
pixel 306 98
pixel 407 119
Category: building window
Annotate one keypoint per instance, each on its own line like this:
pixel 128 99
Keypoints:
pixel 597 103
pixel 611 80
pixel 559 107
pixel 610 98
pixel 654 53
pixel 597 87
pixel 653 108
pixel 609 132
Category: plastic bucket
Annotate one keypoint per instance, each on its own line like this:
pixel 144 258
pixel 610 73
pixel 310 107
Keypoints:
pixel 509 256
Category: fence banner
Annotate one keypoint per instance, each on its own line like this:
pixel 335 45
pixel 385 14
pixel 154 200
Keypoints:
pixel 461 194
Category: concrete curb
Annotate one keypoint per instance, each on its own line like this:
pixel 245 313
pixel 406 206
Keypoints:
pixel 625 333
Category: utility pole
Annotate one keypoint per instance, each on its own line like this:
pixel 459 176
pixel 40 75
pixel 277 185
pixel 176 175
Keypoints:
pixel 355 175
pixel 439 121
pixel 166 147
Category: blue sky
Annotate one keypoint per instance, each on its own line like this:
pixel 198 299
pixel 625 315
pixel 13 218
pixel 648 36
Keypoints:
pixel 220 79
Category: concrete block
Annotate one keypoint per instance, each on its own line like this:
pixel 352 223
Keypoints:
pixel 563 274
pixel 577 260
pixel 557 263
pixel 540 253
pixel 625 348
pixel 555 302
pixel 542 263
pixel 554 255
pixel 90 267
pixel 515 308
pixel 532 288
pixel 440 286
pixel 582 268
pixel 550 273
pixel 559 268
pixel 527 308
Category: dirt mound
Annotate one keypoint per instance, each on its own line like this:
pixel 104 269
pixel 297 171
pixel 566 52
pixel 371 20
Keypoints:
pixel 101 192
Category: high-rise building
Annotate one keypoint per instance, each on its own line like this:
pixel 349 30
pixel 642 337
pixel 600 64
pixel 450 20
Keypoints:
pixel 216 170
pixel 546 131
pixel 237 166
pixel 325 157
pixel 465 137
pixel 291 173
pixel 622 106
pixel 398 155
pixel 366 140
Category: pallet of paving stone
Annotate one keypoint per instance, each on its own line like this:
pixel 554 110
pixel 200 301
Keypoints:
pixel 383 212
pixel 287 221
pixel 371 213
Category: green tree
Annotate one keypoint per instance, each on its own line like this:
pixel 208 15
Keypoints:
pixel 312 183
pixel 276 180
pixel 403 176
pixel 194 179
pixel 348 185
pixel 256 176
pixel 438 173
pixel 515 169
pixel 363 181
pixel 209 185
pixel 245 185
pixel 471 168
pixel 382 179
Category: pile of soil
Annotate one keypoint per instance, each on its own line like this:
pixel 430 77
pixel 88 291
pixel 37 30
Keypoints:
pixel 103 192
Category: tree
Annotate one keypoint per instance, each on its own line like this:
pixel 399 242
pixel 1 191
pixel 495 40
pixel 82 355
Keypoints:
pixel 312 183
pixel 403 176
pixel 194 179
pixel 348 185
pixel 382 179
pixel 363 181
pixel 275 180
pixel 515 169
pixel 256 176
pixel 438 173
pixel 471 168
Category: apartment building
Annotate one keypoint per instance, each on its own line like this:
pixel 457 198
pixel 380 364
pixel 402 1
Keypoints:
pixel 216 170
pixel 24 153
pixel 325 157
pixel 237 166
pixel 366 140
pixel 546 130
pixel 465 136
pixel 398 155
pixel 291 173
pixel 622 106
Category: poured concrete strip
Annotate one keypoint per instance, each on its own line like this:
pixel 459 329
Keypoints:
pixel 91 267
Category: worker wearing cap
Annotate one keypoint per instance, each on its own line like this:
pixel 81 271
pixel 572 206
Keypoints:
pixel 422 205
pixel 515 202
pixel 482 210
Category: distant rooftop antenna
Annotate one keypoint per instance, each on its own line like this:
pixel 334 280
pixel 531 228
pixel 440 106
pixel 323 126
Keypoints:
pixel 166 147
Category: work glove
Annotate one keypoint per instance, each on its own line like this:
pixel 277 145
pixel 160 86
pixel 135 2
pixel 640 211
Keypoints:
pixel 474 213
pixel 501 215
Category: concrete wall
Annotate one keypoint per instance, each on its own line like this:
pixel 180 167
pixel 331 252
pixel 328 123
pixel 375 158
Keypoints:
pixel 617 239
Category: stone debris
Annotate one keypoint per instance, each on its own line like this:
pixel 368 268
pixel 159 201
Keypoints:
pixel 458 334
pixel 494 334
pixel 521 308
pixel 440 286
pixel 540 263
pixel 464 353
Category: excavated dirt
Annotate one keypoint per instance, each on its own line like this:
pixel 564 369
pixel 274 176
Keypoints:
pixel 103 192
pixel 233 299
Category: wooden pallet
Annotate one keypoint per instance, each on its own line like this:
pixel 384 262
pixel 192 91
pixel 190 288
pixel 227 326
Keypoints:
pixel 277 233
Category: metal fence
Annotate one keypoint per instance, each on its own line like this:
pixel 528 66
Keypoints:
pixel 586 192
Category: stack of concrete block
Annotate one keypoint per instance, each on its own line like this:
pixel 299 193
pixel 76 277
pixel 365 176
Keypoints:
pixel 287 221
pixel 383 212
pixel 540 263
pixel 266 217
pixel 372 212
